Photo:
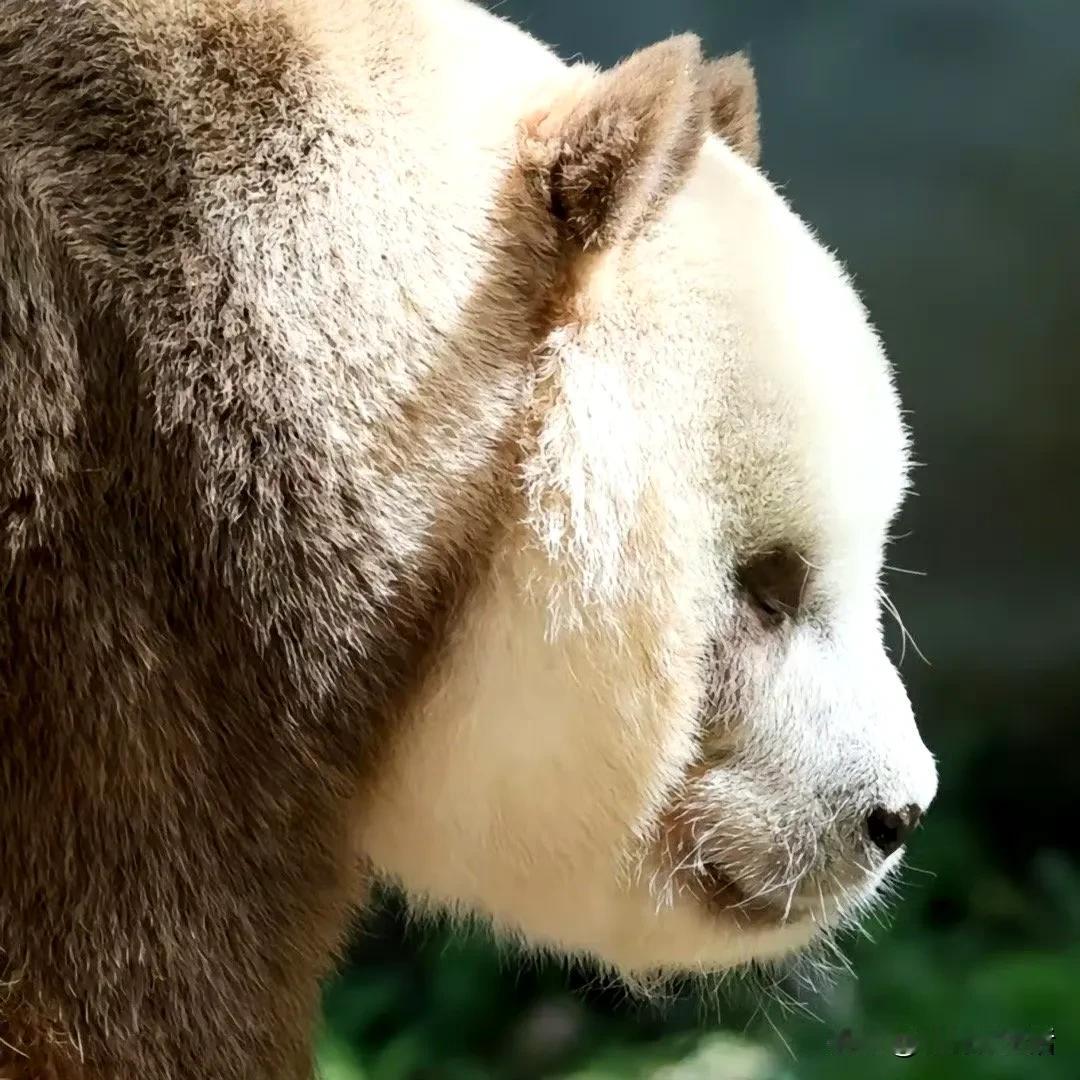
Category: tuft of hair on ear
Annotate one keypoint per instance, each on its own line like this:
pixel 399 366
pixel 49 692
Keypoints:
pixel 607 159
pixel 733 104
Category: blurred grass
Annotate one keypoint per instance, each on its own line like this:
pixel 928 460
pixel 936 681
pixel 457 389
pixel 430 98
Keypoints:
pixel 971 954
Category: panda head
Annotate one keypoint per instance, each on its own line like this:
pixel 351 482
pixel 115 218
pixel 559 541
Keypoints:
pixel 662 730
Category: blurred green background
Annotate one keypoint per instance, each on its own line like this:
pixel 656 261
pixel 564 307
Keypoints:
pixel 936 145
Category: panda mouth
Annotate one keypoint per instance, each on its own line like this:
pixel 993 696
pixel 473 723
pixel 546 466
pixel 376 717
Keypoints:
pixel 750 879
pixel 723 895
pixel 716 886
pixel 806 902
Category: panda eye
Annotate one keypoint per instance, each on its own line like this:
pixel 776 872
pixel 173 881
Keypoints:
pixel 774 582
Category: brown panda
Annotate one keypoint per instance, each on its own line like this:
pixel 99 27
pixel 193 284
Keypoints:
pixel 422 460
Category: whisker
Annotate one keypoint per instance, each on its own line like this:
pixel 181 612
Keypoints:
pixel 920 870
pixel 779 1035
pixel 904 632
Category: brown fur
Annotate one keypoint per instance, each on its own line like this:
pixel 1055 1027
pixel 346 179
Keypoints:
pixel 606 160
pixel 198 624
pixel 734 114
pixel 202 619
pixel 620 150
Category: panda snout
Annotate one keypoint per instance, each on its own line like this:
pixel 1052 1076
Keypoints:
pixel 724 844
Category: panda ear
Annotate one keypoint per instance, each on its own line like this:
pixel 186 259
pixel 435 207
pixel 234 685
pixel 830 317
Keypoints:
pixel 733 104
pixel 606 156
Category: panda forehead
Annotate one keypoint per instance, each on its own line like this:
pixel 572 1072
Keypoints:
pixel 824 411
pixel 812 443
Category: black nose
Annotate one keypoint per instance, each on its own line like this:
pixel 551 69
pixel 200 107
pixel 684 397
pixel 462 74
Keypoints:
pixel 889 829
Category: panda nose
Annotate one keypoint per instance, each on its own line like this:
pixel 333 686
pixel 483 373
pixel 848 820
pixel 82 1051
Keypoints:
pixel 889 829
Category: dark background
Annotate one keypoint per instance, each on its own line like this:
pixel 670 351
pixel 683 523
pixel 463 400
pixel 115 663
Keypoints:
pixel 936 146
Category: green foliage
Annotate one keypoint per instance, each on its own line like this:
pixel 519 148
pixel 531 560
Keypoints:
pixel 977 996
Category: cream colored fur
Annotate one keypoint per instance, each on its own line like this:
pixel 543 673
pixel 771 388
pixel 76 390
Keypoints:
pixel 722 393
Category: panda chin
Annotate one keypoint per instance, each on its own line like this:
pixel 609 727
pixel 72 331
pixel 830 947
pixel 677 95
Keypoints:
pixel 629 930
pixel 710 921
pixel 702 940
pixel 818 906
pixel 725 896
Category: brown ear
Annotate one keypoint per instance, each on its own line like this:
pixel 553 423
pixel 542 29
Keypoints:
pixel 732 89
pixel 605 160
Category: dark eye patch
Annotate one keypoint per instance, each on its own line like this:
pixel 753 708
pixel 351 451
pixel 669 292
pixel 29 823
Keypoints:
pixel 775 582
